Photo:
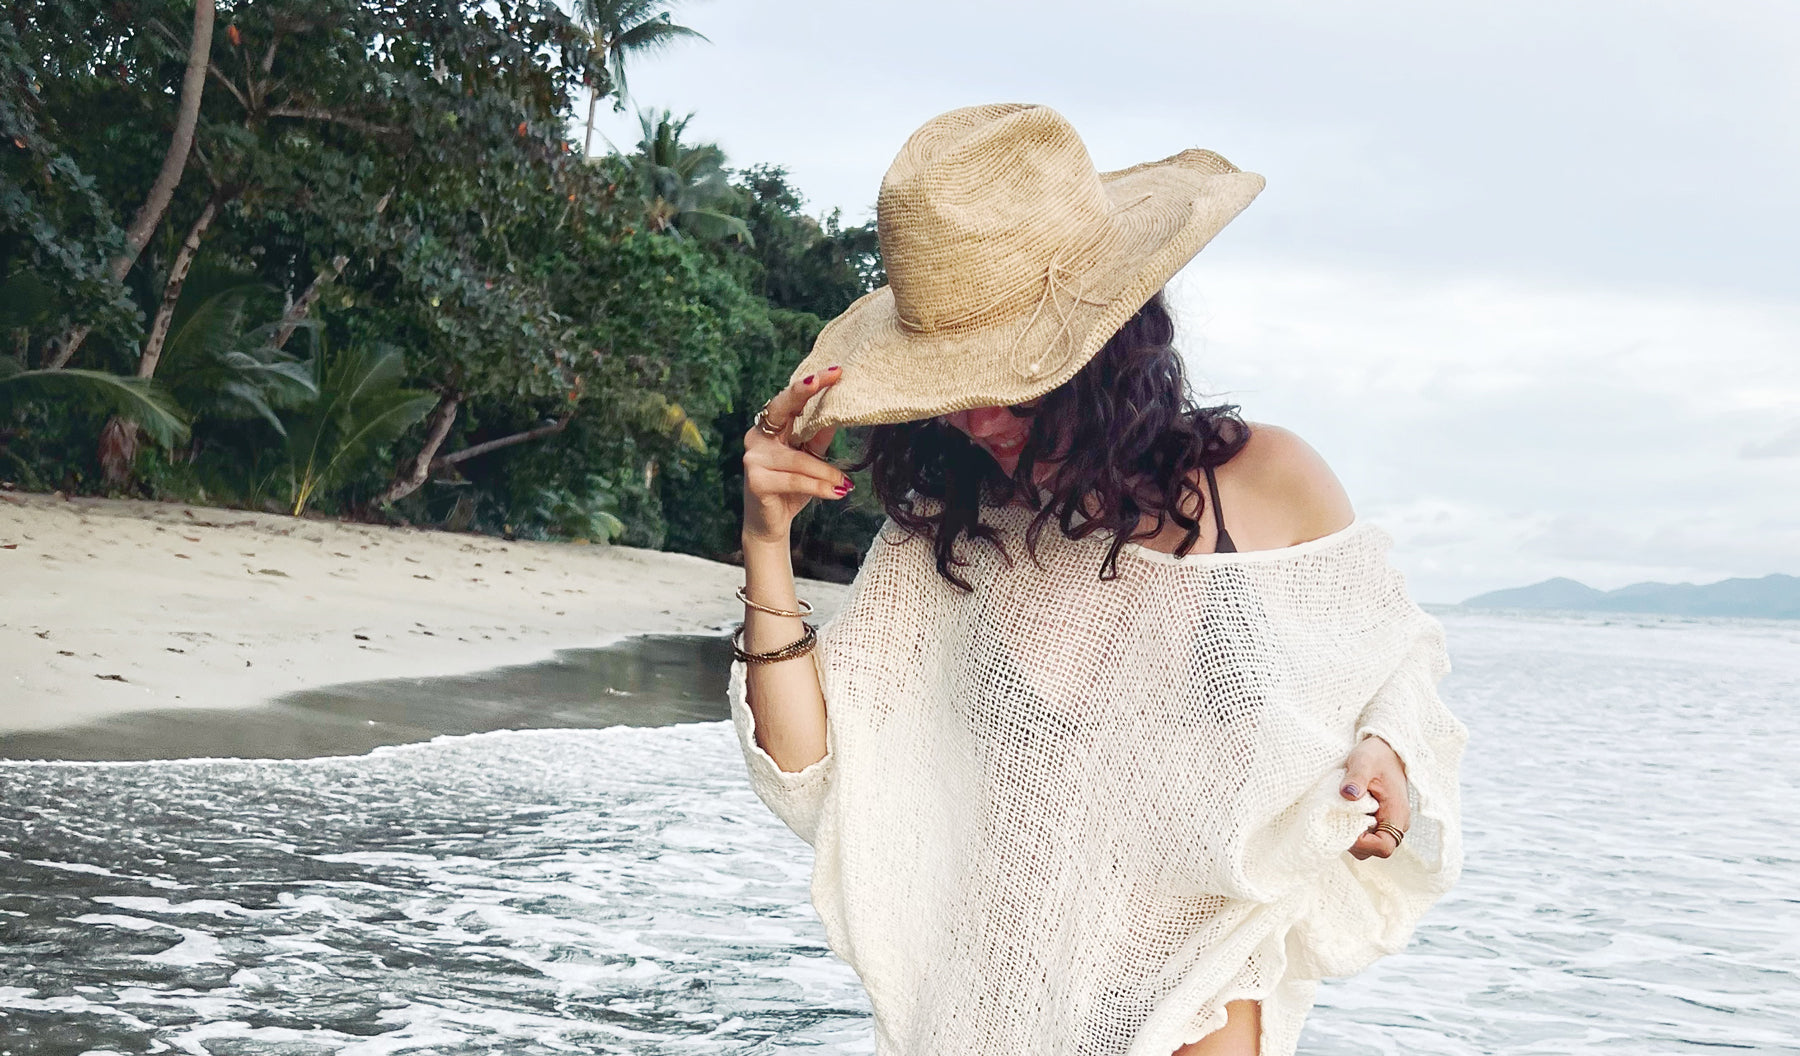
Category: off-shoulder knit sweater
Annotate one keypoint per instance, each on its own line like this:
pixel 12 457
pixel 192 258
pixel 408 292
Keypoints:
pixel 1068 816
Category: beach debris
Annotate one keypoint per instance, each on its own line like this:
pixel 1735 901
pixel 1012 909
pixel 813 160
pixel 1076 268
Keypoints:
pixel 172 649
pixel 43 634
pixel 110 678
pixel 272 572
pixel 360 637
pixel 9 546
pixel 64 652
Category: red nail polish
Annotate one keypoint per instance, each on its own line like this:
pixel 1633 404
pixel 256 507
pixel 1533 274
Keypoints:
pixel 806 380
pixel 842 489
pixel 834 366
pixel 848 484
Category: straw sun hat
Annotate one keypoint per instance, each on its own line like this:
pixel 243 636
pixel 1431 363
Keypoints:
pixel 1010 261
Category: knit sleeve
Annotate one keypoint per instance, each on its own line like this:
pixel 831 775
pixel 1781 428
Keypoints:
pixel 1371 909
pixel 1409 715
pixel 860 654
pixel 793 796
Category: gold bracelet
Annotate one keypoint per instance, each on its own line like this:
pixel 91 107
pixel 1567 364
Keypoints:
pixel 800 647
pixel 805 608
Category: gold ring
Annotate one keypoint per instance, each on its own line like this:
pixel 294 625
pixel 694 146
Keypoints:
pixel 1383 826
pixel 762 422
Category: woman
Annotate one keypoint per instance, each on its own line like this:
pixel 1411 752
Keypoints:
pixel 1089 757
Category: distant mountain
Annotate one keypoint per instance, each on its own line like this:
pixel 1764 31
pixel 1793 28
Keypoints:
pixel 1771 597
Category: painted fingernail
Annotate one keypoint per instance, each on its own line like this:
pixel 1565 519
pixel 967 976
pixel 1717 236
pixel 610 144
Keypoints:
pixel 833 367
pixel 1352 792
pixel 848 484
pixel 807 380
pixel 842 489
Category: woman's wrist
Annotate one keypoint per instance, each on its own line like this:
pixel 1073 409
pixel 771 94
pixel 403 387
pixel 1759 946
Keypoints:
pixel 770 543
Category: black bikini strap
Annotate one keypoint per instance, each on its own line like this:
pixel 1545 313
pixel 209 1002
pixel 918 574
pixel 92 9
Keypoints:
pixel 1223 544
pixel 1212 485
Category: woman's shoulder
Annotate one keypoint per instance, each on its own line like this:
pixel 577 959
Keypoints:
pixel 1278 491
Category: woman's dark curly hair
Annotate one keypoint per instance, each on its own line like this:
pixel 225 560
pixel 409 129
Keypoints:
pixel 1133 437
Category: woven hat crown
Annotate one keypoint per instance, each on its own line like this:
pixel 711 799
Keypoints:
pixel 976 199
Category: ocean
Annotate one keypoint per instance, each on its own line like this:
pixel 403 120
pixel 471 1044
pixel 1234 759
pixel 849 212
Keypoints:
pixel 1632 882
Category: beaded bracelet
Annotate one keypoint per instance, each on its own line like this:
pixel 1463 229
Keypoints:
pixel 804 610
pixel 787 652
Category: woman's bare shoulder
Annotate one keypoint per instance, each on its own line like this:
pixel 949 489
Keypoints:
pixel 1279 491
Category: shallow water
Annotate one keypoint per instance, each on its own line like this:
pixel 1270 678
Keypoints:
pixel 1633 882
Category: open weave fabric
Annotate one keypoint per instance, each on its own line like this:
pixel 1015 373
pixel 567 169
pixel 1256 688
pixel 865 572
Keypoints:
pixel 1067 816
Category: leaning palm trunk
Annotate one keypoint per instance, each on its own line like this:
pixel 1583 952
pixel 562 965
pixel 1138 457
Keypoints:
pixel 178 273
pixel 150 214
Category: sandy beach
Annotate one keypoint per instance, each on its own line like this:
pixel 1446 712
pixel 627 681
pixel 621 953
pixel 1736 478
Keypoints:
pixel 109 607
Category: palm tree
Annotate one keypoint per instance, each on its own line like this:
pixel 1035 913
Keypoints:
pixel 619 29
pixel 682 186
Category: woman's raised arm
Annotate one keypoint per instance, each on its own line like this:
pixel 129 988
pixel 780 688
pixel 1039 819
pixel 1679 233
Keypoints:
pixel 779 480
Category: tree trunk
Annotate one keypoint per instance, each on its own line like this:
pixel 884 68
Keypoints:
pixel 411 479
pixel 118 449
pixel 296 313
pixel 587 144
pixel 483 448
pixel 178 272
pixel 150 214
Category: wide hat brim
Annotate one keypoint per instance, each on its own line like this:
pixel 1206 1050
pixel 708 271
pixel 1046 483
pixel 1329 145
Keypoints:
pixel 1163 213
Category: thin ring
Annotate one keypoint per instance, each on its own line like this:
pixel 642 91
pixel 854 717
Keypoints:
pixel 1382 826
pixel 763 423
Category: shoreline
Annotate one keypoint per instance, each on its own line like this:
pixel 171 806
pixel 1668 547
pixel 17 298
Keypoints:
pixel 115 606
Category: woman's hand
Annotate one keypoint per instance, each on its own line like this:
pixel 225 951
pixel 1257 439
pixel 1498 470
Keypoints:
pixel 780 479
pixel 1374 767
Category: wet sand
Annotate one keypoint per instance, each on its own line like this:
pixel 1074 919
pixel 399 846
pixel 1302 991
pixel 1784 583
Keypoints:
pixel 654 680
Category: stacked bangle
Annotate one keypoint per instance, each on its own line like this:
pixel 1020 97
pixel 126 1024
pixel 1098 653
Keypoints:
pixel 800 647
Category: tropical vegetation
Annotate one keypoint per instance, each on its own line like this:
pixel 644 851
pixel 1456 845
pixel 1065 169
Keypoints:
pixel 349 258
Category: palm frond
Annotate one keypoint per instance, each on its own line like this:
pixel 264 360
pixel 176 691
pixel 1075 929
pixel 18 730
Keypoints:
pixel 138 399
pixel 359 405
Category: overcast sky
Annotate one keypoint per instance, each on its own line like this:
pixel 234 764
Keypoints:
pixel 1527 274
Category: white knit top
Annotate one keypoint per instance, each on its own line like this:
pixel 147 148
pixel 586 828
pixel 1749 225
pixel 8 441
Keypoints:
pixel 1063 815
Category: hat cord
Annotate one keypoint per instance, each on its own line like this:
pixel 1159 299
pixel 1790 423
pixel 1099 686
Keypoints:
pixel 1055 284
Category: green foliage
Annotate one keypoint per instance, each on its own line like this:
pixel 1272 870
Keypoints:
pixel 359 405
pixel 55 219
pixel 397 174
pixel 799 263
